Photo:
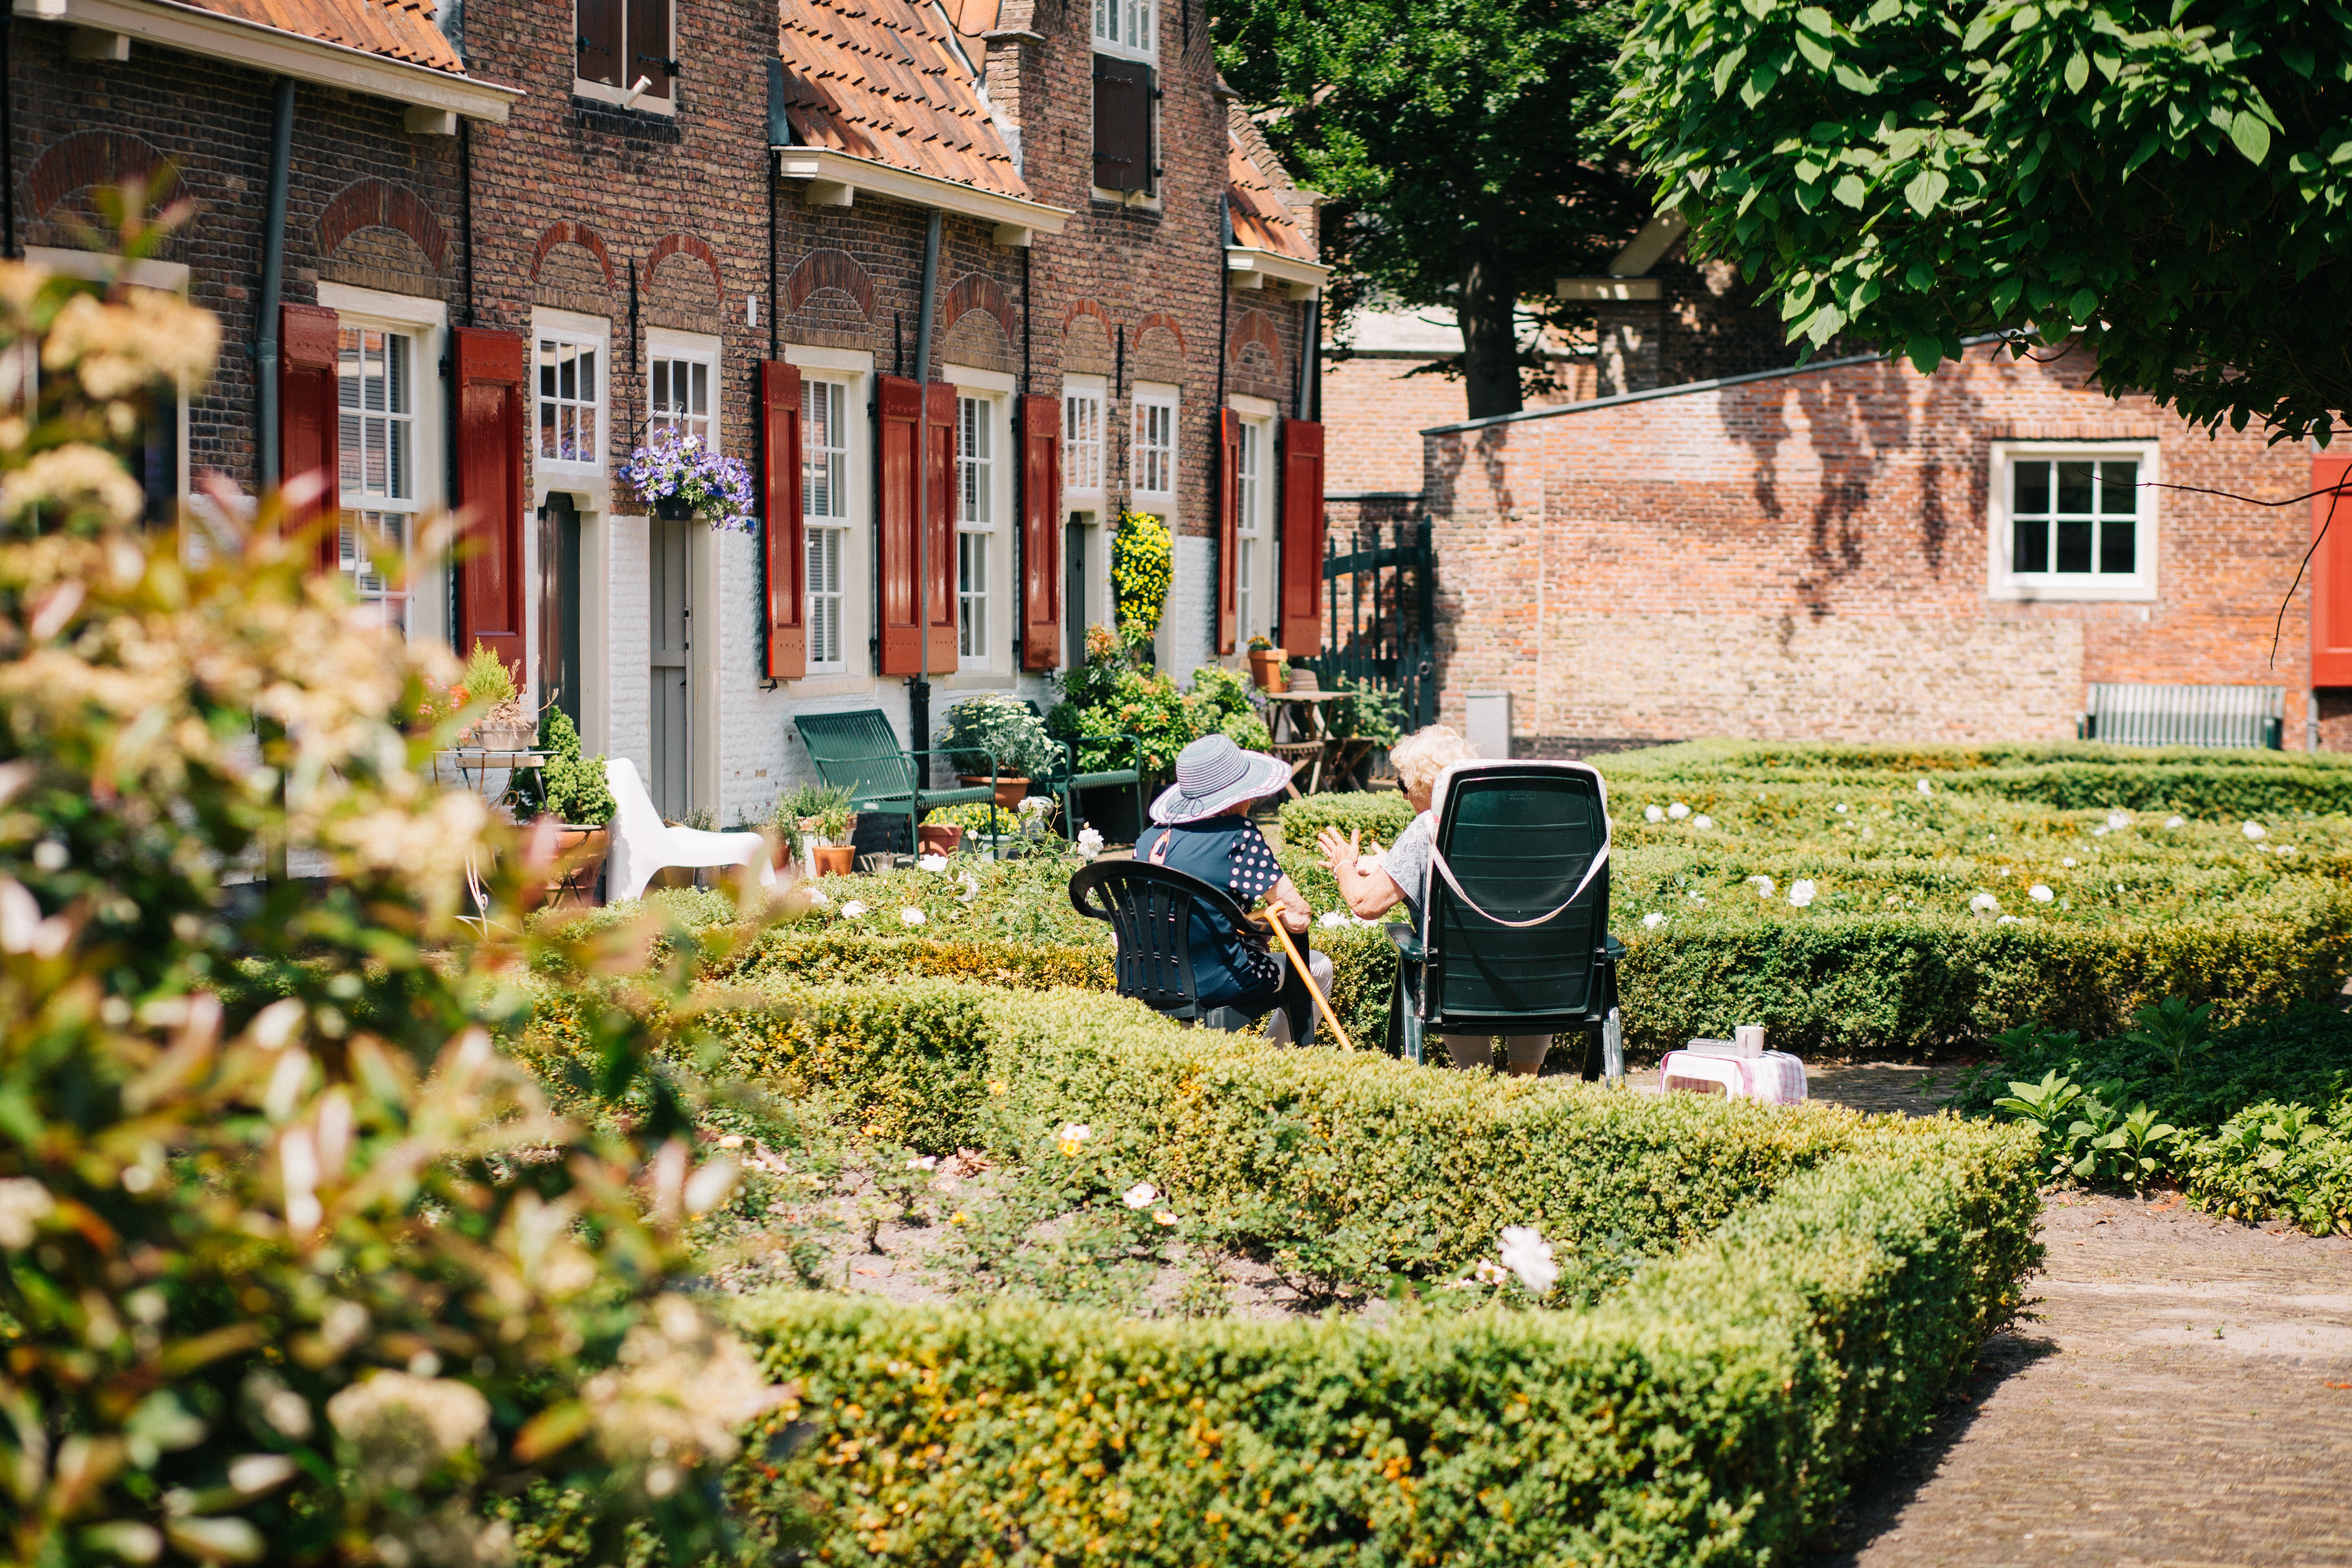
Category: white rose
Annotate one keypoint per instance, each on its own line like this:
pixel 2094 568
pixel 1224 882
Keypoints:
pixel 1652 920
pixel 2040 893
pixel 1527 1255
pixel 1678 811
pixel 1653 814
pixel 1801 893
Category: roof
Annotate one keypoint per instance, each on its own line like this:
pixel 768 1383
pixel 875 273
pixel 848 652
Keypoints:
pixel 885 81
pixel 1256 186
pixel 396 29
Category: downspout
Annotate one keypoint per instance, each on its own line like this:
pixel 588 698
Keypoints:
pixel 1219 478
pixel 8 119
pixel 273 271
pixel 918 691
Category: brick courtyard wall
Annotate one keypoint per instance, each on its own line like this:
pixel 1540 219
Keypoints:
pixel 1805 557
pixel 1374 410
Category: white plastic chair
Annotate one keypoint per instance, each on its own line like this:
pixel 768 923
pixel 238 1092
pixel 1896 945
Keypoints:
pixel 642 843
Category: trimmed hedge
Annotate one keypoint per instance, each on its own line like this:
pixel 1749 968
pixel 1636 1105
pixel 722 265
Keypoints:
pixel 1710 1411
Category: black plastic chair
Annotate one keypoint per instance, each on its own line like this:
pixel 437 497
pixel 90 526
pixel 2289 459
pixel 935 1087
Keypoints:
pixel 1515 940
pixel 1155 913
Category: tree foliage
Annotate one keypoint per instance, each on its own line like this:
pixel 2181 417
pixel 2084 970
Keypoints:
pixel 1462 145
pixel 2172 182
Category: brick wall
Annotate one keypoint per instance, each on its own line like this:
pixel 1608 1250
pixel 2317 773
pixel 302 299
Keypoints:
pixel 1805 556
pixel 1375 409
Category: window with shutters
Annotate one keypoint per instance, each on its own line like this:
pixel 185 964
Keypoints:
pixel 2072 520
pixel 1082 436
pixel 627 53
pixel 1253 547
pixel 975 518
pixel 376 447
pixel 571 401
pixel 825 515
pixel 1127 47
pixel 1151 455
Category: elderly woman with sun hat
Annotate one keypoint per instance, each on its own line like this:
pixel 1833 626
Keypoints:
pixel 1201 827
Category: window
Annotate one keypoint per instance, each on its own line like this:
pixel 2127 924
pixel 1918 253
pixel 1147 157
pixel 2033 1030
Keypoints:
pixel 376 444
pixel 975 514
pixel 1126 95
pixel 1250 525
pixel 1151 464
pixel 824 516
pixel 1082 439
pixel 2074 523
pixel 681 398
pixel 1125 26
pixel 571 401
pixel 621 43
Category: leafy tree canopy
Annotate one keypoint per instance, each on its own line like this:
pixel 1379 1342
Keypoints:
pixel 2172 182
pixel 1462 145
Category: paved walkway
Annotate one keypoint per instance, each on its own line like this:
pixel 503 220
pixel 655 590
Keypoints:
pixel 2184 1399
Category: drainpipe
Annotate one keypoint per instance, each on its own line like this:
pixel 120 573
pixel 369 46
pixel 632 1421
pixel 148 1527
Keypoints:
pixel 273 270
pixel 918 691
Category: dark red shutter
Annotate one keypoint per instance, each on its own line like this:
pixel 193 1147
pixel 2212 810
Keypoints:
pixel 785 557
pixel 898 403
pixel 310 422
pixel 942 558
pixel 1229 525
pixel 1040 533
pixel 648 46
pixel 490 391
pixel 1122 124
pixel 1302 538
pixel 2331 576
pixel 600 41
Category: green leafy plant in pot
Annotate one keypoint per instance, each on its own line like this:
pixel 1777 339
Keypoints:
pixel 573 790
pixel 812 825
pixel 1003 728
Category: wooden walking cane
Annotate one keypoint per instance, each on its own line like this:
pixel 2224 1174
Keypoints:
pixel 1282 935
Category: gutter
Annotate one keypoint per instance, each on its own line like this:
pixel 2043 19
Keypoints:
pixel 273 270
pixel 834 179
pixel 918 689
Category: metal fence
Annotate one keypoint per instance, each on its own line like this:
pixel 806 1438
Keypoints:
pixel 1380 615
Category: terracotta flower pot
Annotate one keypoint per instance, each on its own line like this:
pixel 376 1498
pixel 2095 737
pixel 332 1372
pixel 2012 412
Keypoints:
pixel 1266 668
pixel 939 837
pixel 834 860
pixel 1010 793
pixel 581 852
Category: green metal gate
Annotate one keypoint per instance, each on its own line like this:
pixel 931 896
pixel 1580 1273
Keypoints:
pixel 1380 618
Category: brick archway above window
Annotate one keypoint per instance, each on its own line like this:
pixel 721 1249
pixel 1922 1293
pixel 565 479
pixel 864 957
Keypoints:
pixel 1162 318
pixel 379 203
pixel 86 158
pixel 828 269
pixel 1087 308
pixel 1254 327
pixel 979 291
pixel 569 233
pixel 671 245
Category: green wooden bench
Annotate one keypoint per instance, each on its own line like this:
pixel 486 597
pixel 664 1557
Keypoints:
pixel 1066 781
pixel 857 752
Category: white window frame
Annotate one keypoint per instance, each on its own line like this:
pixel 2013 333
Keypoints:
pixel 23 371
pixel 831 527
pixel 1162 500
pixel 1251 526
pixel 1116 24
pixel 566 330
pixel 663 346
pixel 2004 583
pixel 991 391
pixel 355 552
pixel 426 322
pixel 605 92
pixel 1082 480
pixel 852 369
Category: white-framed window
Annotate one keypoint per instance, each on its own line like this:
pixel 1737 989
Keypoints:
pixel 377 402
pixel 1082 436
pixel 825 517
pixel 1127 27
pixel 1252 549
pixel 975 518
pixel 1151 455
pixel 625 52
pixel 2072 520
pixel 159 458
pixel 679 397
pixel 571 368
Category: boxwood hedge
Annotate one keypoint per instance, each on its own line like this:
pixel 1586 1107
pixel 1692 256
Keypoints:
pixel 1812 1280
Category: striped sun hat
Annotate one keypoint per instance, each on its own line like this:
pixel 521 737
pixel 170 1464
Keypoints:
pixel 1212 773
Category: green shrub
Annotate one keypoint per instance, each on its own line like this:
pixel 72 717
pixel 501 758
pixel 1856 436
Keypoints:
pixel 2274 1160
pixel 1709 1411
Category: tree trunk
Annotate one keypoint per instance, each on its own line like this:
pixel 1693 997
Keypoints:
pixel 1490 353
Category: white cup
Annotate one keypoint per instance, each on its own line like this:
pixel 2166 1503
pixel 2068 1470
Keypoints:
pixel 1749 1038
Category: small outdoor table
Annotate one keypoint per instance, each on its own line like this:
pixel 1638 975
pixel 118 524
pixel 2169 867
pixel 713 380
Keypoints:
pixel 1303 715
pixel 474 765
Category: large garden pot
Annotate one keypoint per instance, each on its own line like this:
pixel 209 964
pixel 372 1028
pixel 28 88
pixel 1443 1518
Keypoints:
pixel 674 509
pixel 939 837
pixel 1112 810
pixel 1266 668
pixel 834 860
pixel 1010 793
pixel 581 851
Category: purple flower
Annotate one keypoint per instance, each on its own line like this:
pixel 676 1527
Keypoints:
pixel 676 466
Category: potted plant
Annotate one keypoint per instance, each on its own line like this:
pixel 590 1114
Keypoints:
pixel 1265 663
pixel 680 476
pixel 812 825
pixel 501 726
pixel 574 791
pixel 1005 730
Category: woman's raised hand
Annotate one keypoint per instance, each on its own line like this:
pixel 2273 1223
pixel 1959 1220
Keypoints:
pixel 1335 849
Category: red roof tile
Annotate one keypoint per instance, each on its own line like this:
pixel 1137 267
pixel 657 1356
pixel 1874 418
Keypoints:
pixel 1262 220
pixel 883 80
pixel 396 29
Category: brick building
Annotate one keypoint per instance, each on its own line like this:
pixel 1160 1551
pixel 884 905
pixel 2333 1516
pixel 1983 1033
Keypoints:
pixel 622 218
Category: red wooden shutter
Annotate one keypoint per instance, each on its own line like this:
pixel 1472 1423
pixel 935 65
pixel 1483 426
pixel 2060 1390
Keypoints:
pixel 1229 525
pixel 309 423
pixel 1302 538
pixel 491 390
pixel 942 560
pixel 899 404
pixel 1040 533
pixel 600 41
pixel 785 557
pixel 2331 575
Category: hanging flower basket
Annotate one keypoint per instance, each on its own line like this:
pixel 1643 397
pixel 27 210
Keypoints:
pixel 680 476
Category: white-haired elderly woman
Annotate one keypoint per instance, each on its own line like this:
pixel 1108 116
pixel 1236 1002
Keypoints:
pixel 1373 885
